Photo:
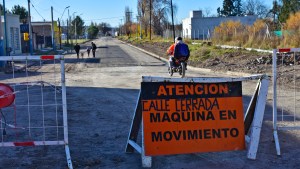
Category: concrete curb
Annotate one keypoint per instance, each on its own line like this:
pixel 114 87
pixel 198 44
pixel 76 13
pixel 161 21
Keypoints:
pixel 149 53
pixel 231 73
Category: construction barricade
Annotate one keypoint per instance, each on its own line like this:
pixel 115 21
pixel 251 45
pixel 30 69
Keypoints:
pixel 191 115
pixel 33 102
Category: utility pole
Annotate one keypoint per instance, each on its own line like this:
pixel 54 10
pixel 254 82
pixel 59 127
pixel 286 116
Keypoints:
pixel 141 27
pixel 150 16
pixel 75 30
pixel 128 19
pixel 2 63
pixel 30 29
pixel 53 35
pixel 1 39
pixel 137 22
pixel 173 27
pixel 121 27
pixel 59 33
pixel 5 29
pixel 68 20
pixel 44 33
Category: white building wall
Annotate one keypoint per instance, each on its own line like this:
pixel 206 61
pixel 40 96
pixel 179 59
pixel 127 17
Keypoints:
pixel 186 28
pixel 13 33
pixel 201 27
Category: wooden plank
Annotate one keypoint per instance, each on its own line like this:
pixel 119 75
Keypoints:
pixel 146 160
pixel 258 119
pixel 250 111
pixel 137 147
pixel 201 79
pixel 135 125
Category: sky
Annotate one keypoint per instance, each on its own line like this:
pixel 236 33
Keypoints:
pixel 108 11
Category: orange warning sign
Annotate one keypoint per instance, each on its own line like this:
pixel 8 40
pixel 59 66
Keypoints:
pixel 181 118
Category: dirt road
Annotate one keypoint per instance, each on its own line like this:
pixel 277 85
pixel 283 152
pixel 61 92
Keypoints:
pixel 101 96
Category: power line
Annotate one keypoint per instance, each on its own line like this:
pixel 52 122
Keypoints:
pixel 57 11
pixel 105 18
pixel 37 11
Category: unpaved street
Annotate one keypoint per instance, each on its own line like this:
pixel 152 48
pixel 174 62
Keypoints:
pixel 101 96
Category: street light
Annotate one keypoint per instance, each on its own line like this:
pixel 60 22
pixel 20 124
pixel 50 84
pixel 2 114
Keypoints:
pixel 64 12
pixel 59 28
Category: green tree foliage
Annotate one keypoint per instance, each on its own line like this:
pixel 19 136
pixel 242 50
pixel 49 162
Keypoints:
pixel 20 10
pixel 92 31
pixel 228 8
pixel 248 7
pixel 274 13
pixel 288 7
pixel 79 23
pixel 1 8
pixel 219 11
pixel 2 12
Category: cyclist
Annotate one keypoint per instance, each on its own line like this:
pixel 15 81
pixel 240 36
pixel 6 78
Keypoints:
pixel 178 50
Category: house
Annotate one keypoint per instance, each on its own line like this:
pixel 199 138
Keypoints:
pixel 42 34
pixel 198 27
pixel 12 43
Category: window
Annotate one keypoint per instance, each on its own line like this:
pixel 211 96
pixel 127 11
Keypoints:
pixel 14 38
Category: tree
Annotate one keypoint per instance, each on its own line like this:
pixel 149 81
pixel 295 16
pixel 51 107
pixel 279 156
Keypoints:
pixel 227 8
pixel 206 12
pixel 6 10
pixel 237 10
pixel 144 18
pixel 293 30
pixel 160 13
pixel 1 8
pixel 255 7
pixel 93 31
pixel 288 7
pixel 104 27
pixel 79 24
pixel 219 11
pixel 20 10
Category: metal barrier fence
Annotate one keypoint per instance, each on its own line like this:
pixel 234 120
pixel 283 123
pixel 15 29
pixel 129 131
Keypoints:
pixel 36 111
pixel 286 91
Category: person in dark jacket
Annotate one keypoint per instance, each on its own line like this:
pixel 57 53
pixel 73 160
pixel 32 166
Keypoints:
pixel 94 47
pixel 77 49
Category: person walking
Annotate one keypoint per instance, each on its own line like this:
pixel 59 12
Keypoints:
pixel 94 47
pixel 88 49
pixel 77 49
